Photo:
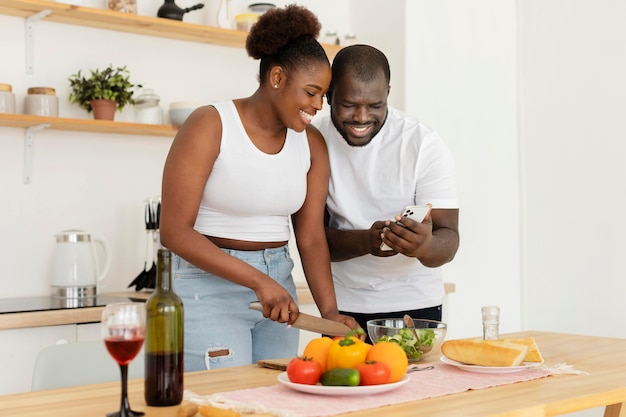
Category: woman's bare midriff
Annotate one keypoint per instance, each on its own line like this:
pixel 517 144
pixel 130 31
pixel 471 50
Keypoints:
pixel 235 244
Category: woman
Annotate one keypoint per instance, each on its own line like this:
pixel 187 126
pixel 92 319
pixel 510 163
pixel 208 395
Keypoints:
pixel 234 175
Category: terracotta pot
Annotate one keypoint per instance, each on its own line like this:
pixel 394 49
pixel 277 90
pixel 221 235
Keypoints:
pixel 103 109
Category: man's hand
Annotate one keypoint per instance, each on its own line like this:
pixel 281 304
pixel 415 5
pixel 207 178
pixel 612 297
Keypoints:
pixel 434 241
pixel 408 237
pixel 375 239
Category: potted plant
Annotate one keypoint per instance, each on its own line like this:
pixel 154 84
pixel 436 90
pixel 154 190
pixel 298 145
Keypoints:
pixel 109 87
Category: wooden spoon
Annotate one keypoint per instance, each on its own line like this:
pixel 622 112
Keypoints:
pixel 408 322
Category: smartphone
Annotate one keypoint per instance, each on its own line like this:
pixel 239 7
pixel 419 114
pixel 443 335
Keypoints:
pixel 417 213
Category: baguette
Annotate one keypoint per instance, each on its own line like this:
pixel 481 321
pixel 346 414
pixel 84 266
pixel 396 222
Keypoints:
pixel 532 355
pixel 484 353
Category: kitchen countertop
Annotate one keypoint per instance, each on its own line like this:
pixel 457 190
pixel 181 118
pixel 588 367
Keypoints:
pixel 48 312
pixel 604 385
pixel 17 313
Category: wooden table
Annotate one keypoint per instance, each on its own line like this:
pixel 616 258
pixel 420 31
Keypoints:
pixel 605 385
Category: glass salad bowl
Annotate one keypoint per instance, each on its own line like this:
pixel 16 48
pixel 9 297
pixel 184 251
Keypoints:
pixel 421 342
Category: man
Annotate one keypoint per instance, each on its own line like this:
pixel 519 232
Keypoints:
pixel 381 161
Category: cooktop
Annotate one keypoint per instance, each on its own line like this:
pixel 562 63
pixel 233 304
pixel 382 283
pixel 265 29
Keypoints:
pixel 45 303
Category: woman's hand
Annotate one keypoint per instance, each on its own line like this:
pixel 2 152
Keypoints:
pixel 347 320
pixel 277 304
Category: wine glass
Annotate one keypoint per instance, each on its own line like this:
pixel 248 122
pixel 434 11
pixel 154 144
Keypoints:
pixel 122 329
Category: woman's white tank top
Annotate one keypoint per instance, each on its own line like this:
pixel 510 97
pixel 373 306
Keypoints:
pixel 250 194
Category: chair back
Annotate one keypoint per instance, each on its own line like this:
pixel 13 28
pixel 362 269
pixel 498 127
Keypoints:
pixel 80 363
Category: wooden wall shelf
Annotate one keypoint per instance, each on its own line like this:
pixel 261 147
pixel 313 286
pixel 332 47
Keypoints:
pixel 33 10
pixel 125 22
pixel 85 125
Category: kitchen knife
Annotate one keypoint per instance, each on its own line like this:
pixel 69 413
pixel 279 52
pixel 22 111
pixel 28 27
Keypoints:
pixel 312 323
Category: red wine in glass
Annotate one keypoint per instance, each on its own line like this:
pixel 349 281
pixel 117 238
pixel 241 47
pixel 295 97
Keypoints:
pixel 123 326
pixel 123 350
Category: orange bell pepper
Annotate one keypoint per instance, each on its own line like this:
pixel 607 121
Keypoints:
pixel 348 352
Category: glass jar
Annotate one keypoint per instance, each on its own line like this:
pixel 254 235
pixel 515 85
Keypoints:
pixel 41 101
pixel 491 322
pixel 330 37
pixel 124 6
pixel 147 109
pixel 7 99
pixel 245 21
pixel 350 39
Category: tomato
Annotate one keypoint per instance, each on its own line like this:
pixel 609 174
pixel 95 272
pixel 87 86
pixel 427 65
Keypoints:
pixel 391 354
pixel 374 373
pixel 317 349
pixel 303 370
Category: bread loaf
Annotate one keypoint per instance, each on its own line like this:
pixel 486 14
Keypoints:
pixel 484 353
pixel 532 355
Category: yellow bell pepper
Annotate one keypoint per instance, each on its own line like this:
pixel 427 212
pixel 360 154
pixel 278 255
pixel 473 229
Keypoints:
pixel 348 352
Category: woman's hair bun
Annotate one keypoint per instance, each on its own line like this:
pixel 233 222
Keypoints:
pixel 279 26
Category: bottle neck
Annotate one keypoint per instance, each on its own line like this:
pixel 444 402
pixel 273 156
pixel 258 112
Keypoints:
pixel 164 271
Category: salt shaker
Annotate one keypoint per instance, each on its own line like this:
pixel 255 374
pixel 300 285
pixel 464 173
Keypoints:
pixel 491 322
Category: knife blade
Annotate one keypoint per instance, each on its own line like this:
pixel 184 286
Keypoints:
pixel 312 323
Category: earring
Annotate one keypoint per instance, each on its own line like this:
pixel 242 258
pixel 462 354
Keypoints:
pixel 275 85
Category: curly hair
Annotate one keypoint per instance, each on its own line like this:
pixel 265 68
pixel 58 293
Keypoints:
pixel 285 37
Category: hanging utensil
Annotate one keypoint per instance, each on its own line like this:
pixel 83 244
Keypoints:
pixel 140 281
pixel 155 210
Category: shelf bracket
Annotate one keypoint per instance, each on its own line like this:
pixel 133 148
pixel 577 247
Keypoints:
pixel 29 146
pixel 30 38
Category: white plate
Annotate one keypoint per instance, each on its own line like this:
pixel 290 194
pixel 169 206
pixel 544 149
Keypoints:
pixel 328 390
pixel 490 369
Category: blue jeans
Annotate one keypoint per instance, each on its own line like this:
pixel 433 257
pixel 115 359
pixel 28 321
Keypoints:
pixel 220 330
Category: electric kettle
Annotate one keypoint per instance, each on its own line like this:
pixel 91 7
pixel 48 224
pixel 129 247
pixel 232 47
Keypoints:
pixel 76 270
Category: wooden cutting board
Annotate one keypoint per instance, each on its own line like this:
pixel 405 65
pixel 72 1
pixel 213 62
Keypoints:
pixel 278 364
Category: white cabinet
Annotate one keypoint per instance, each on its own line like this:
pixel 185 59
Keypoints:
pixel 88 332
pixel 19 348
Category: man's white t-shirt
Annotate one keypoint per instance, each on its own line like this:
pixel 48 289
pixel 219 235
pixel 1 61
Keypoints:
pixel 406 163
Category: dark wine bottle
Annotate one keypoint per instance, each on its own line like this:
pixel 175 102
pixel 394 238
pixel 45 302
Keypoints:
pixel 164 339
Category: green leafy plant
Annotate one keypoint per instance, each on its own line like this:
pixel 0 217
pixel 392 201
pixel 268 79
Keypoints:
pixel 108 84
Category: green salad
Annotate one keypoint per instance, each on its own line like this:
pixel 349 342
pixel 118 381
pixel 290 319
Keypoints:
pixel 413 347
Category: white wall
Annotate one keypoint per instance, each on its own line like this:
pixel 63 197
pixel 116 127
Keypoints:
pixel 96 182
pixel 573 106
pixel 461 71
pixel 529 94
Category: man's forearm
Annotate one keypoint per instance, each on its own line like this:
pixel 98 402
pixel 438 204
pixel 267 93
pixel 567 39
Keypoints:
pixel 347 244
pixel 443 247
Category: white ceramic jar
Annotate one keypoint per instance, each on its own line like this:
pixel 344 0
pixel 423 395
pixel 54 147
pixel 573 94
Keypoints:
pixel 7 99
pixel 41 101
